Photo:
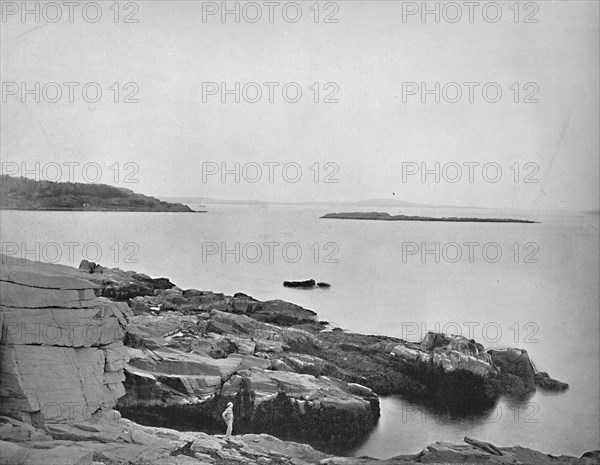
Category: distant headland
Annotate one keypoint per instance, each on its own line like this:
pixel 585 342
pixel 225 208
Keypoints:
pixel 382 216
pixel 28 194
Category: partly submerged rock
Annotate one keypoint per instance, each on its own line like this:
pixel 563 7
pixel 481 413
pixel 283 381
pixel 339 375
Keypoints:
pixel 543 381
pixel 453 369
pixel 305 283
pixel 516 370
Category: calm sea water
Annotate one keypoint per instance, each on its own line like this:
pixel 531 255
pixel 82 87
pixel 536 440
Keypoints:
pixel 533 286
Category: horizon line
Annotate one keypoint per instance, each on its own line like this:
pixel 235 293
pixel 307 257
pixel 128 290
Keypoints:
pixel 365 202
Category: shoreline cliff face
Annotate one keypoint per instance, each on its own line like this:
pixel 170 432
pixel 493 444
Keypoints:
pixel 57 335
pixel 70 356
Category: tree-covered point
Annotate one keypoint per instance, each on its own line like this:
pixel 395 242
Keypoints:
pixel 28 194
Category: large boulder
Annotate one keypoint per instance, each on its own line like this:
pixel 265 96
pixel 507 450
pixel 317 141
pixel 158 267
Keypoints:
pixel 61 350
pixel 492 372
pixel 302 406
pixel 455 371
pixel 517 374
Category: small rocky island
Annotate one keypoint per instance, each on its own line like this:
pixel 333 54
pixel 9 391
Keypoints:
pixel 28 194
pixel 382 216
pixel 104 366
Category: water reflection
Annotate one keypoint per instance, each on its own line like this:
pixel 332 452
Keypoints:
pixel 407 426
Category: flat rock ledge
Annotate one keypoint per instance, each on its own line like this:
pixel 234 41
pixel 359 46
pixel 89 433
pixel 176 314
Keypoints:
pixel 111 440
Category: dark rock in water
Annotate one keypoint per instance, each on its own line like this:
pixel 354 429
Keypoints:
pixel 516 371
pixel 543 380
pixel 306 283
pixel 448 377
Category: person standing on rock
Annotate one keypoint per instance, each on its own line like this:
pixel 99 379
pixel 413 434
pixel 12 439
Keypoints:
pixel 227 416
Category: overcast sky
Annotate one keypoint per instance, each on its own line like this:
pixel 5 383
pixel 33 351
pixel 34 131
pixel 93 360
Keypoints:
pixel 367 140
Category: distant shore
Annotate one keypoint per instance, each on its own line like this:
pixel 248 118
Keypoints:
pixel 382 216
pixel 127 209
pixel 28 194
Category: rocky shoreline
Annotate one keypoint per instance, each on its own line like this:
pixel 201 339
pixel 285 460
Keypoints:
pixel 83 348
